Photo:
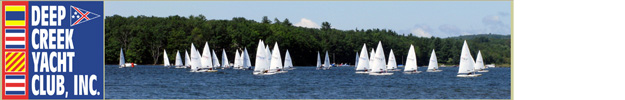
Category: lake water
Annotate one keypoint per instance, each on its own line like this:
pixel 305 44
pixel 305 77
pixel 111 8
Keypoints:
pixel 157 82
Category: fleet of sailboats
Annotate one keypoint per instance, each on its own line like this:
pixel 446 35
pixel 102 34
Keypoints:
pixel 269 62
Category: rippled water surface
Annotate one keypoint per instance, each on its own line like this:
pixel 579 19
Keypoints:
pixel 157 82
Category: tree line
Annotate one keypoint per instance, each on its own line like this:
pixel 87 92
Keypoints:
pixel 143 39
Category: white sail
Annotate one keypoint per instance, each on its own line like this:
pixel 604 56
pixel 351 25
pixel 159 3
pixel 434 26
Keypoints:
pixel 215 60
pixel 357 57
pixel 363 63
pixel 379 60
pixel 466 60
pixel 276 59
pixel 479 62
pixel 237 59
pixel 187 59
pixel 122 60
pixel 206 57
pixel 392 64
pixel 371 57
pixel 326 62
pixel 411 60
pixel 165 59
pixel 268 57
pixel 318 60
pixel 287 60
pixel 433 61
pixel 195 59
pixel 246 59
pixel 178 59
pixel 224 59
pixel 260 58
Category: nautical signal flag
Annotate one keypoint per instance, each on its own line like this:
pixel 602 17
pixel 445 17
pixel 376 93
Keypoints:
pixel 15 38
pixel 14 61
pixel 80 15
pixel 15 85
pixel 15 15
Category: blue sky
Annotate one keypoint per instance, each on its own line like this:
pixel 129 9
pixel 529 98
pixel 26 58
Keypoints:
pixel 420 18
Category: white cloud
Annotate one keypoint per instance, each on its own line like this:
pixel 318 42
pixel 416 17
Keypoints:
pixel 307 23
pixel 421 30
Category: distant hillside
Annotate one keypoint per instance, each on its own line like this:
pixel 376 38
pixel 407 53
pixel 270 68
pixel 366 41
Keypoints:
pixel 494 36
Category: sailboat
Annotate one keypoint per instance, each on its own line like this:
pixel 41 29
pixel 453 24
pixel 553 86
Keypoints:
pixel 178 62
pixel 466 67
pixel 479 63
pixel 237 60
pixel 247 64
pixel 187 59
pixel 166 59
pixel 261 58
pixel 276 60
pixel 215 60
pixel 356 63
pixel 392 64
pixel 268 57
pixel 371 57
pixel 379 68
pixel 326 62
pixel 363 64
pixel 224 59
pixel 433 66
pixel 195 60
pixel 207 63
pixel 411 62
pixel 122 60
pixel 318 61
pixel 288 64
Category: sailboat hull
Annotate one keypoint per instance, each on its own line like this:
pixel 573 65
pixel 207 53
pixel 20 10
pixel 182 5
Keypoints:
pixel 380 74
pixel 472 75
pixel 206 70
pixel 482 71
pixel 412 72
pixel 394 70
pixel 361 72
pixel 434 70
pixel 262 73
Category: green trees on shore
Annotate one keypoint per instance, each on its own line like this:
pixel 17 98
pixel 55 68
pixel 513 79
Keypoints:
pixel 144 38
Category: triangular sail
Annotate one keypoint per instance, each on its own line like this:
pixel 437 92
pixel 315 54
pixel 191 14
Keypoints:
pixel 318 60
pixel 363 59
pixel 357 58
pixel 392 64
pixel 276 59
pixel 215 59
pixel 379 59
pixel 165 59
pixel 287 60
pixel 326 62
pixel 466 60
pixel 371 57
pixel 187 59
pixel 433 61
pixel 122 61
pixel 411 60
pixel 178 59
pixel 195 58
pixel 479 62
pixel 246 59
pixel 224 58
pixel 260 58
pixel 206 57
pixel 237 59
